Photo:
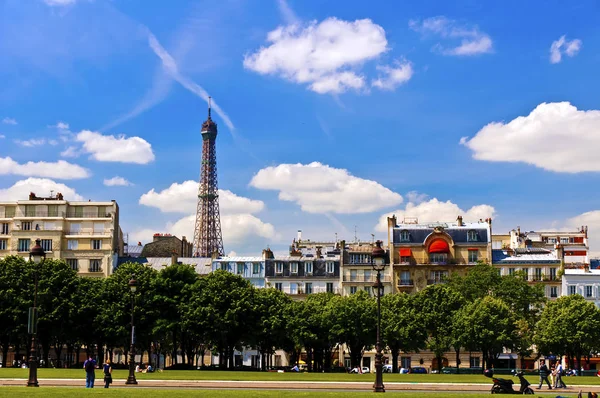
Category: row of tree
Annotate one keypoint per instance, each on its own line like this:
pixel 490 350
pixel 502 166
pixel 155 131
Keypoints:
pixel 176 311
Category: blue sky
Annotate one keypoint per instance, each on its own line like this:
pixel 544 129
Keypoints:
pixel 330 117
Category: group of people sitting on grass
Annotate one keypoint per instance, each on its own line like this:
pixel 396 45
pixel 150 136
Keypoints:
pixel 144 368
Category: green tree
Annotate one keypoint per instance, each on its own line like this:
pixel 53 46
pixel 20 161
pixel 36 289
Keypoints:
pixel 401 325
pixel 271 331
pixel 570 325
pixel 485 325
pixel 354 321
pixel 437 305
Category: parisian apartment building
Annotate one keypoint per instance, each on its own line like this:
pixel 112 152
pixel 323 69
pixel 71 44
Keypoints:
pixel 85 234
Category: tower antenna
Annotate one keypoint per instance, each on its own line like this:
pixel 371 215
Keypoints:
pixel 209 101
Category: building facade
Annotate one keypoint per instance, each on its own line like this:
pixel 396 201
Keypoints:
pixel 165 245
pixel 585 282
pixel 85 234
pixel 357 269
pixel 426 254
pixel 250 268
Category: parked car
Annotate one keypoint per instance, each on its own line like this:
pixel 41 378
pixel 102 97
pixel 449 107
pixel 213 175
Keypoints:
pixel 418 369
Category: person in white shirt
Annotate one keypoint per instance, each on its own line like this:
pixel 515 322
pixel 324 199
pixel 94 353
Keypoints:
pixel 558 381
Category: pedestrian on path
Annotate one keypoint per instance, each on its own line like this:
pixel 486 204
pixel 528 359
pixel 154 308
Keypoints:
pixel 107 369
pixel 90 372
pixel 544 375
pixel 558 381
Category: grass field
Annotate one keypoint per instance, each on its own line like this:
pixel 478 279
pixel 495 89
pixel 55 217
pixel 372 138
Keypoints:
pixel 145 393
pixel 17 373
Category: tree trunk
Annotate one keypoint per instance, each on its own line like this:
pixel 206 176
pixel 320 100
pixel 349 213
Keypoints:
pixel 100 353
pixel 327 360
pixel 457 350
pixel 395 352
pixel 231 358
pixel 78 352
pixel 439 363
pixel 58 347
pixel 17 349
pixel 355 355
pixel 46 349
pixel 5 344
pixel 309 359
pixel 174 354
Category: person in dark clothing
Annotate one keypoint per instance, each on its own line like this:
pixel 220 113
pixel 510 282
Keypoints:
pixel 90 372
pixel 544 375
pixel 107 369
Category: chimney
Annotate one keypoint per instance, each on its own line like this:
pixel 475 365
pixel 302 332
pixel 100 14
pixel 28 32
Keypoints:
pixel 173 258
pixel 392 221
pixel 518 231
pixel 460 221
pixel 299 235
pixel 267 254
pixel 139 243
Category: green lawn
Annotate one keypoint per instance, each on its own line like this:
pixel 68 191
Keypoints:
pixel 145 393
pixel 17 373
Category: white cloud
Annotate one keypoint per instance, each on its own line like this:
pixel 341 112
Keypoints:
pixel 2 136
pixel 8 120
pixel 434 210
pixel 472 40
pixel 327 56
pixel 108 148
pixel 60 125
pixel 563 46
pixel 318 188
pixel 287 13
pixel 41 186
pixel 393 76
pixel 31 143
pixel 70 152
pixel 555 136
pixel 117 181
pixel 60 169
pixel 183 198
pixel 59 3
pixel 170 67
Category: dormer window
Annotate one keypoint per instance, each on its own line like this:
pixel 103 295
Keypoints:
pixel 404 236
pixel 472 236
pixel 294 268
pixel 279 268
pixel 308 268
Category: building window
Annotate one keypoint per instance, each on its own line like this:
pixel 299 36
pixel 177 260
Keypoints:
pixel 75 228
pixel 293 288
pixel 437 277
pixel 29 211
pixel 95 265
pixel 511 271
pixel 308 269
pixel 438 258
pixel 552 274
pixel 308 288
pixel 352 289
pixel 405 278
pixel 279 268
pixel 404 259
pixel 329 287
pixel 404 236
pixel 102 212
pixel 279 286
pixel 72 244
pixel 405 362
pixel 473 256
pixel 538 274
pixel 368 277
pixel 255 268
pixel 26 226
pixel 353 275
pixel 588 291
pixel 330 267
pixel 73 263
pixel 2 244
pixel 240 269
pixel 525 273
pixel 23 245
pixel 9 212
pixel 52 211
pixel 294 268
pixel 368 290
pixel 4 228
pixel 78 212
pixel 553 291
pixel 223 266
pixel 474 362
pixel 96 244
pixel 472 236
pixel 564 240
pixel 572 290
pixel 46 244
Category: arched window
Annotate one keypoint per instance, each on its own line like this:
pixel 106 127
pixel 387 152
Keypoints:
pixel 404 236
pixel 472 236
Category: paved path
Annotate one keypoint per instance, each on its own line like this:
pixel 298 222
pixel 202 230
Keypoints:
pixel 288 385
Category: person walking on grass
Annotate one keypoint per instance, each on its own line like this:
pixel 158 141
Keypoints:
pixel 107 369
pixel 544 375
pixel 90 372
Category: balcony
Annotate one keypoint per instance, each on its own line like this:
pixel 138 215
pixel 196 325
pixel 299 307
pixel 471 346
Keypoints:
pixel 300 291
pixel 89 232
pixel 87 214
pixel 362 278
pixel 34 227
pixel 94 270
pixel 435 281
pixel 41 213
pixel 405 283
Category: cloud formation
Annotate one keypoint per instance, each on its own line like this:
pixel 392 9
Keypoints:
pixel 434 210
pixel 41 186
pixel 472 40
pixel 60 169
pixel 327 56
pixel 108 148
pixel 392 77
pixel 555 136
pixel 116 182
pixel 563 46
pixel 319 188
pixel 9 120
pixel 30 143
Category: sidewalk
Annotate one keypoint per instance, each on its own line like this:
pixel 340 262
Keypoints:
pixel 285 385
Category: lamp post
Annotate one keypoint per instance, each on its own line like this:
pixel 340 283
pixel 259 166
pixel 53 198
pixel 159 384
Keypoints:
pixel 37 255
pixel 131 379
pixel 378 264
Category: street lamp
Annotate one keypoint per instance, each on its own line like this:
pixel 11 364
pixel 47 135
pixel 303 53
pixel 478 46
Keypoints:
pixel 37 255
pixel 378 264
pixel 131 379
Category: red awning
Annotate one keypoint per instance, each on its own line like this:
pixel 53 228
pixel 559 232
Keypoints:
pixel 439 246
pixel 473 249
pixel 405 252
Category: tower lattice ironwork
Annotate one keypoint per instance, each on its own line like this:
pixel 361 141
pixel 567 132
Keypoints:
pixel 208 240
